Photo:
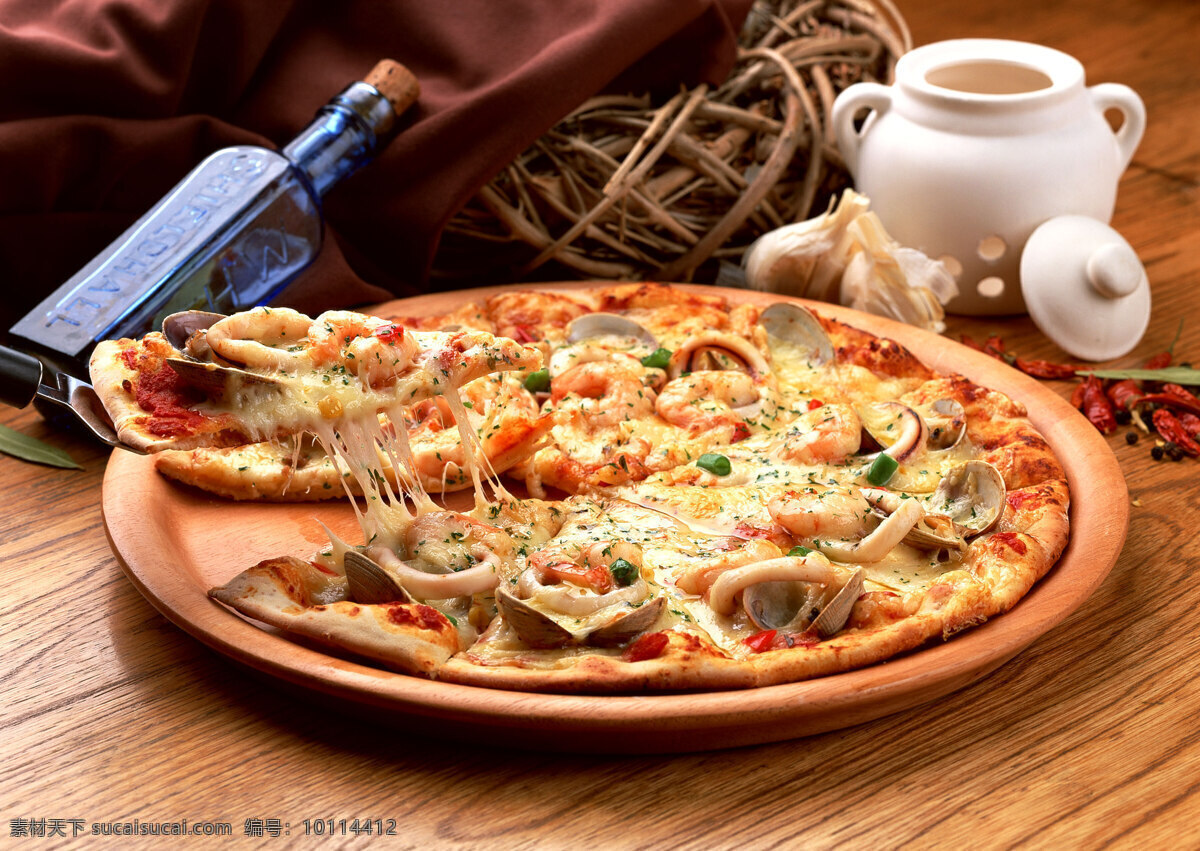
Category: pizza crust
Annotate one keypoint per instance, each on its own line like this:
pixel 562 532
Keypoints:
pixel 296 596
pixel 685 662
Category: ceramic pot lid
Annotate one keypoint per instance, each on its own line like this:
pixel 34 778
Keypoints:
pixel 1085 287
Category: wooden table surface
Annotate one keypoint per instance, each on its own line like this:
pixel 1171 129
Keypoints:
pixel 1089 737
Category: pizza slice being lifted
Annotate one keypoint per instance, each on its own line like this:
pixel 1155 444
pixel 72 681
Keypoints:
pixel 274 372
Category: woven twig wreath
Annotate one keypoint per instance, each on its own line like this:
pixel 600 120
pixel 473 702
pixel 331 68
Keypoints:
pixel 625 188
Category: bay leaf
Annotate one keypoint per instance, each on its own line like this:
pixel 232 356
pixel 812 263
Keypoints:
pixel 1167 375
pixel 28 448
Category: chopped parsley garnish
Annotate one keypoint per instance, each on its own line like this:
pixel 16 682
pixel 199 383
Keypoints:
pixel 624 572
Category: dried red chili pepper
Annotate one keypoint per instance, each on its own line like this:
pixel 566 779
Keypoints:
pixel 1191 423
pixel 1123 394
pixel 1045 368
pixel 992 347
pixel 1096 406
pixel 970 342
pixel 1077 397
pixel 1160 361
pixel 1171 400
pixel 1181 392
pixel 995 347
pixel 1171 429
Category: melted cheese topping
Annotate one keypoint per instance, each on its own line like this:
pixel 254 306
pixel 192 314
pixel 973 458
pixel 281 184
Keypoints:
pixel 310 400
pixel 691 523
pixel 735 505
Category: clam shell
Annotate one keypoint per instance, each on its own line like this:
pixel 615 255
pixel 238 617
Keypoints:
pixel 608 629
pixel 833 617
pixel 367 582
pixel 799 326
pixel 972 494
pixel 531 626
pixel 792 607
pixel 593 325
pixel 178 328
pixel 787 606
pixel 934 532
pixel 627 624
pixel 946 422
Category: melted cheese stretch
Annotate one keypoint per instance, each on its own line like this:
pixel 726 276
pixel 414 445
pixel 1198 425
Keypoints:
pixel 343 414
pixel 474 457
pixel 357 441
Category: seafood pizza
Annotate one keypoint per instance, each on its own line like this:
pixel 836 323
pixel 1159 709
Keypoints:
pixel 663 490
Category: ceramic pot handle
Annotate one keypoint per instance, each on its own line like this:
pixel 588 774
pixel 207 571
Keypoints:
pixel 1133 112
pixel 857 97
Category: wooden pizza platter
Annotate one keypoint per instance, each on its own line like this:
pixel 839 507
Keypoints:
pixel 174 543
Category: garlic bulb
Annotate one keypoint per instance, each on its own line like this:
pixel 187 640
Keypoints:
pixel 888 279
pixel 806 259
pixel 846 255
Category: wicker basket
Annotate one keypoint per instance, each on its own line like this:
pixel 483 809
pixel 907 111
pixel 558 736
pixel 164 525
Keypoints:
pixel 627 188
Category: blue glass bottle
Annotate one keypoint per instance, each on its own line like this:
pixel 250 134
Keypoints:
pixel 231 234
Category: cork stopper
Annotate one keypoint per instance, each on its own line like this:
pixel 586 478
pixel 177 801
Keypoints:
pixel 396 83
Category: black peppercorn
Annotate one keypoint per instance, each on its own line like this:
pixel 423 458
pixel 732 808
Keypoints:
pixel 1174 452
pixel 1131 437
pixel 1156 452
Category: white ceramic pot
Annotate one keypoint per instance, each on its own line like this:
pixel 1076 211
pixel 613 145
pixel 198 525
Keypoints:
pixel 977 143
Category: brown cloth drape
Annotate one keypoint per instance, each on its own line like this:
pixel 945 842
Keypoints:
pixel 106 104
